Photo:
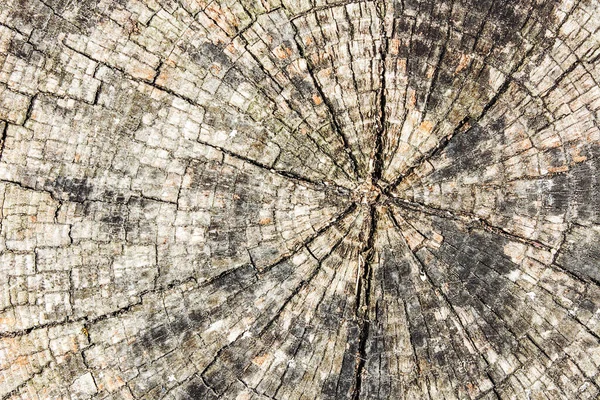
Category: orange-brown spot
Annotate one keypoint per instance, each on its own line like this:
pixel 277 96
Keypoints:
pixel 260 359
pixel 283 52
pixel 413 99
pixel 426 126
pixel 212 9
pixel 112 383
pixel 265 221
pixel 22 361
pixel 462 64
pixel 414 239
pixel 471 388
pixel 317 99
pixel 144 73
pixel 129 25
pixel 162 78
pixel 231 48
pixel 402 65
pixel 524 144
pixel 394 46
pixel 562 168
pixel 430 72
pixel 551 142
pixel 74 345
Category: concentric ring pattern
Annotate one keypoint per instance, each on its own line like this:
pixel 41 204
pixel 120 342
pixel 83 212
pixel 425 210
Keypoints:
pixel 299 199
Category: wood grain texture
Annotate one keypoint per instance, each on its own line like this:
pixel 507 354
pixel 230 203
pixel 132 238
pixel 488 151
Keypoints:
pixel 299 199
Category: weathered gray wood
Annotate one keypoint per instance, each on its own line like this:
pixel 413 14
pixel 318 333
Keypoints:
pixel 294 199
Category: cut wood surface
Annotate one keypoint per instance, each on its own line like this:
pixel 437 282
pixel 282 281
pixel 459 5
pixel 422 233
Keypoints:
pixel 299 199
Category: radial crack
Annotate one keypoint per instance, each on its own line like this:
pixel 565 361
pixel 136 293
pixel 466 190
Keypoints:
pixel 467 122
pixel 439 290
pixel 363 301
pixel 377 157
pixel 275 81
pixel 310 68
pixel 313 237
pixel 470 218
pixel 3 135
pixel 303 283
pixel 294 177
pixel 89 321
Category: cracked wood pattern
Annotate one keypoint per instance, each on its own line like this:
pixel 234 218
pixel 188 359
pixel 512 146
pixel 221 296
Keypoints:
pixel 299 199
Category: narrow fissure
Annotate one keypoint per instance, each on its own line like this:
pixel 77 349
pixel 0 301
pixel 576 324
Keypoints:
pixel 363 301
pixel 4 130
pixel 327 102
pixel 464 124
pixel 381 123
